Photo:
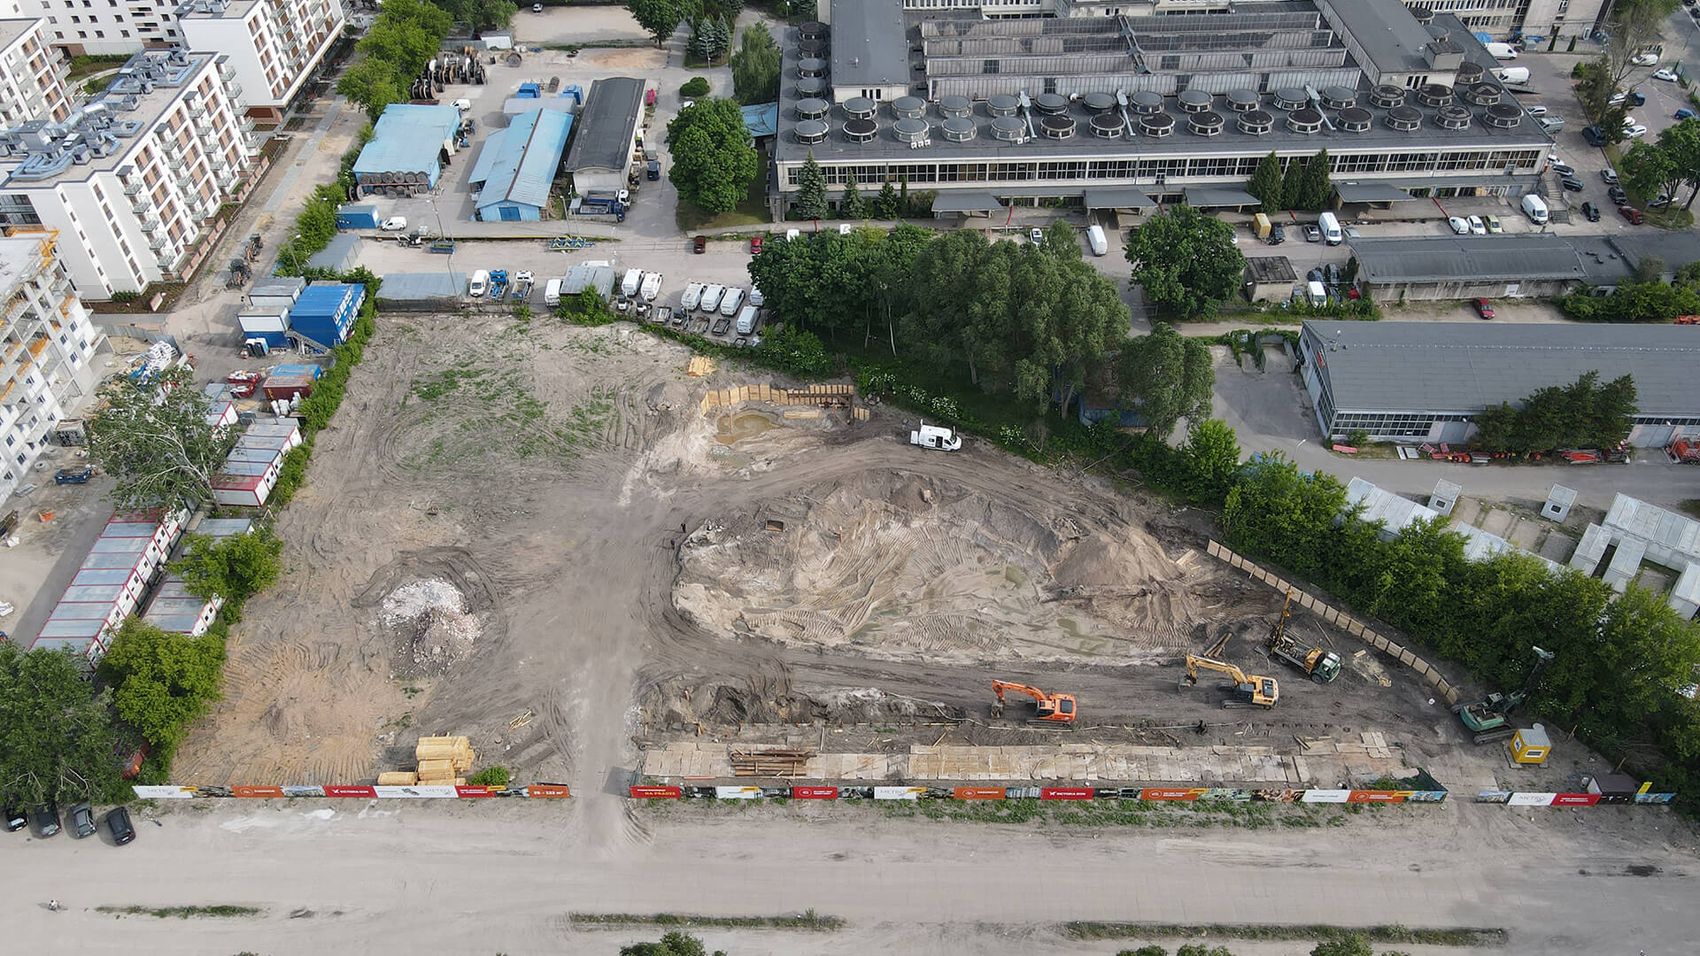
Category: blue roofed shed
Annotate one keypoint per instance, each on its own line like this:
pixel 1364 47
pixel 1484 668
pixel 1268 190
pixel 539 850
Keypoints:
pixel 762 119
pixel 518 166
pixel 407 146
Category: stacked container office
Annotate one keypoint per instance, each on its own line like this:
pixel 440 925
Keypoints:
pixel 325 312
pixel 176 611
pixel 110 583
pixel 251 469
pixel 221 405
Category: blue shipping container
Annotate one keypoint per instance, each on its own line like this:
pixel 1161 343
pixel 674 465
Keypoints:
pixel 325 311
pixel 357 216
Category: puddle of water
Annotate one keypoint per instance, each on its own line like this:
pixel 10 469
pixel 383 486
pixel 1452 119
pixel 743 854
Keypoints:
pixel 735 428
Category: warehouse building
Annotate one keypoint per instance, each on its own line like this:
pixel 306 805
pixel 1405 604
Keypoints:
pixel 607 128
pixel 1425 381
pixel 410 145
pixel 1412 268
pixel 518 164
pixel 1029 109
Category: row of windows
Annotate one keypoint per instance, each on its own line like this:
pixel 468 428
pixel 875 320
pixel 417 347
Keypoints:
pixel 1178 167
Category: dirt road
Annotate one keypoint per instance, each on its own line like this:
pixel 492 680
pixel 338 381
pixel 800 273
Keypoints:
pixel 345 876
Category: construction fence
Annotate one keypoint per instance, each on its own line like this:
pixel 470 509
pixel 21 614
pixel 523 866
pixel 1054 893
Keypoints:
pixel 1154 794
pixel 1344 621
pixel 1526 799
pixel 536 791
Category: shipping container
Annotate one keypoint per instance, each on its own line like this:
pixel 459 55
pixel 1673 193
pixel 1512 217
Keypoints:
pixel 357 216
pixel 326 311
pixel 288 381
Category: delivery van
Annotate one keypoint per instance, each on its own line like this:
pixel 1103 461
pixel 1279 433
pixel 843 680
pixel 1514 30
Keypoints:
pixel 734 298
pixel 711 297
pixel 1501 51
pixel 479 284
pixel 1536 209
pixel 1329 225
pixel 552 292
pixel 746 320
pixel 629 284
pixel 1095 239
pixel 1513 75
pixel 693 295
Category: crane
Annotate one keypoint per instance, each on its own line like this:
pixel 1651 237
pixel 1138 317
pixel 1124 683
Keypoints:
pixel 1248 689
pixel 1053 708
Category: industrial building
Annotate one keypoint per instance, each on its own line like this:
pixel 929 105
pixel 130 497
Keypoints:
pixel 1634 532
pixel 606 134
pixel 48 371
pixel 1411 268
pixel 1127 109
pixel 422 291
pixel 136 174
pixel 251 469
pixel 517 167
pixel 339 255
pixel 32 74
pixel 275 46
pixel 1425 381
pixel 176 611
pixel 1531 20
pixel 410 145
pixel 109 585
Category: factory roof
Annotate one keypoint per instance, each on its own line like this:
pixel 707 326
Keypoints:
pixel 868 45
pixel 422 286
pixel 606 124
pixel 407 139
pixel 1386 31
pixel 1521 256
pixel 1468 366
pixel 519 163
pixel 338 254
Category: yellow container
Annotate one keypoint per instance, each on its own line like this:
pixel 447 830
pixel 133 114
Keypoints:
pixel 1531 746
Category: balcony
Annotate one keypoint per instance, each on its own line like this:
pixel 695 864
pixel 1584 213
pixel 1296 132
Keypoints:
pixel 157 243
pixel 196 111
pixel 150 225
pixel 176 163
pixel 227 73
pixel 132 188
pixel 233 89
pixel 142 205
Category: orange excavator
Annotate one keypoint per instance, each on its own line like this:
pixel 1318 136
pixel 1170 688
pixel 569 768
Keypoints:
pixel 1052 708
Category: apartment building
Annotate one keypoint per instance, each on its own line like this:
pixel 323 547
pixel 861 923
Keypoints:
pixel 274 45
pixel 47 348
pixel 132 179
pixel 107 26
pixel 32 74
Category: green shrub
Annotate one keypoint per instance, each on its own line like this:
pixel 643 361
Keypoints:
pixel 694 87
pixel 493 776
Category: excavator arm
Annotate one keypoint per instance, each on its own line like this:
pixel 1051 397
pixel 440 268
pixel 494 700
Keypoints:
pixel 1194 664
pixel 1057 708
pixel 1252 689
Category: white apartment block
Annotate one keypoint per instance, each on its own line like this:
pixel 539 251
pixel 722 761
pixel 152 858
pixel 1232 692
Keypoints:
pixel 32 74
pixel 132 179
pixel 274 45
pixel 107 26
pixel 47 347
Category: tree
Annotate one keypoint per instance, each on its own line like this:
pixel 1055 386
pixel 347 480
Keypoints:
pixel 1648 171
pixel 850 204
pixel 1148 950
pixel 1633 26
pixel 163 682
pixel 659 18
pixel 674 943
pixel 695 87
pixel 713 161
pixel 1202 949
pixel 56 739
pixel 1595 85
pixel 1212 460
pixel 1352 945
pixel 1292 184
pixel 373 84
pixel 811 191
pixel 234 568
pixel 1314 185
pixel 480 15
pixel 1266 184
pixel 885 205
pixel 1185 260
pixel 1583 414
pixel 755 66
pixel 155 440
pixel 399 43
pixel 1681 145
pixel 710 37
pixel 1166 377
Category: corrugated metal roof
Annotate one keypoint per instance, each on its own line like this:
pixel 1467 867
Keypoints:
pixel 1506 258
pixel 1214 197
pixel 523 161
pixel 422 286
pixel 1465 367
pixel 338 255
pixel 326 298
pixel 407 139
pixel 581 277
pixel 224 527
pixel 607 124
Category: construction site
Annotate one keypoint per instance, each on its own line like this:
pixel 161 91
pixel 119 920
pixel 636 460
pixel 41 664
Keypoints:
pixel 599 559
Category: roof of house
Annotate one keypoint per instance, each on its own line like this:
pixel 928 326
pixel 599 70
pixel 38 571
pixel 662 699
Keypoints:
pixel 407 139
pixel 518 164
pixel 1467 258
pixel 1468 366
pixel 606 124
pixel 1270 269
pixel 868 44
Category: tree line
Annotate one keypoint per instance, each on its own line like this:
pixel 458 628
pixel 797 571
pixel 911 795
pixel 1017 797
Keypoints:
pixel 1300 184
pixel 1646 297
pixel 1583 414
pixel 398 45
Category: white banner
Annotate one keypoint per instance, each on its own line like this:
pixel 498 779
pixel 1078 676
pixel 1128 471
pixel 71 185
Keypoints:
pixel 898 793
pixel 1532 799
pixel 1326 796
pixel 163 793
pixel 417 792
pixel 737 793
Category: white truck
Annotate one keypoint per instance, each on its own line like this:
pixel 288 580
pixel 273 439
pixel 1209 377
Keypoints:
pixel 746 320
pixel 1096 239
pixel 733 299
pixel 478 284
pixel 552 292
pixel 711 297
pixel 651 286
pixel 1329 225
pixel 932 436
pixel 693 295
pixel 629 284
pixel 1501 51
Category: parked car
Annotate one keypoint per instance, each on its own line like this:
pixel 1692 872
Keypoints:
pixel 537 8
pixel 699 244
pixel 81 819
pixel 1312 234
pixel 1277 235
pixel 1609 175
pixel 1460 225
pixel 45 818
pixel 1685 114
pixel 1571 184
pixel 1493 225
pixel 15 819
pixel 1477 227
pixel 1563 169
pixel 1535 109
pixel 1635 132
pixel 73 476
pixel 1633 98
pixel 1590 212
pixel 118 824
pixel 755 245
pixel 1667 74
pixel 1483 307
pixel 1632 214
pixel 1618 195
pixel 1661 201
pixel 394 224
pixel 1036 236
pixel 1593 135
pixel 1644 59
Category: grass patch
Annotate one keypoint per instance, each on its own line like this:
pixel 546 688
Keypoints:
pixel 1434 936
pixel 182 912
pixel 1670 217
pixel 750 211
pixel 1692 507
pixel 807 920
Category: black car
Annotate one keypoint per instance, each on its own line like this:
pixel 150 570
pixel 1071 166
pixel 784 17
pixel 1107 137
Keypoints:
pixel 1617 195
pixel 1277 235
pixel 118 824
pixel 73 476
pixel 1563 169
pixel 1571 184
pixel 81 818
pixel 45 818
pixel 15 819
pixel 1593 135
pixel 1591 212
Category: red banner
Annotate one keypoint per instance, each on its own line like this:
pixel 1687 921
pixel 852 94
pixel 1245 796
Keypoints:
pixel 1575 799
pixel 814 793
pixel 979 793
pixel 1161 793
pixel 256 791
pixel 1375 796
pixel 331 791
pixel 551 791
pixel 475 791
pixel 1065 793
pixel 656 793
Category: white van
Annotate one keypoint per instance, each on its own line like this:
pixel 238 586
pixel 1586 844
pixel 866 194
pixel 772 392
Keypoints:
pixel 711 297
pixel 746 320
pixel 1513 74
pixel 479 285
pixel 1535 208
pixel 629 284
pixel 1501 51
pixel 1329 225
pixel 1317 294
pixel 651 286
pixel 1095 239
pixel 693 295
pixel 552 292
pixel 734 298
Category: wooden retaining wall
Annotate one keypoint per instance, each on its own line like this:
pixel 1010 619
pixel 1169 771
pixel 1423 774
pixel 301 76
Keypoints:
pixel 774 395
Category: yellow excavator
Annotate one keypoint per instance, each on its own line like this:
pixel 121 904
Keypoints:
pixel 1247 690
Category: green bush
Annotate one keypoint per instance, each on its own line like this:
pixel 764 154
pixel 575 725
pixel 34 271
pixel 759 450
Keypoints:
pixel 694 87
pixel 493 776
